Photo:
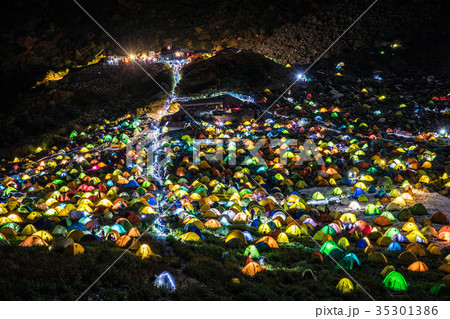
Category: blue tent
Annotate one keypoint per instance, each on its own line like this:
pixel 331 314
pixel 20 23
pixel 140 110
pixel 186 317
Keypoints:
pixel 77 226
pixel 166 281
pixel 152 201
pixel 394 246
pixel 255 223
pixel 346 181
pixel 352 256
pixel 358 191
pixel 191 227
pixel 400 238
pixel 349 261
pixel 275 189
pixel 300 213
pixel 247 235
pixel 275 211
pixel 76 214
pixel 132 184
pixel 119 228
pixel 361 243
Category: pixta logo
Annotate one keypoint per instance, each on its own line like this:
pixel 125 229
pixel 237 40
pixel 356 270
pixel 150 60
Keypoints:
pixel 149 153
pixel 251 151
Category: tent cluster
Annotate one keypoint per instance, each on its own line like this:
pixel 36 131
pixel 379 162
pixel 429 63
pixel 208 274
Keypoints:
pixel 260 186
pixel 70 198
pixel 261 203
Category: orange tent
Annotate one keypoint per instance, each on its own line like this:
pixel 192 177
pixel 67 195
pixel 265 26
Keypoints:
pixel 213 224
pixel 382 221
pixel 269 241
pixel 252 269
pixel 134 233
pixel 123 241
pixel 33 240
pixel 418 266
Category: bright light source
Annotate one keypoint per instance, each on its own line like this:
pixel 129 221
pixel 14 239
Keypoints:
pixel 132 56
pixel 299 76
pixel 442 132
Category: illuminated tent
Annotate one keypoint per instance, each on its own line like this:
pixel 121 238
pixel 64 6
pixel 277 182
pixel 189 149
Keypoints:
pixel 345 285
pixel 395 281
pixel 165 281
pixel 144 251
pixel 251 269
pixel 72 250
pixel 252 250
pixel 418 266
pixel 33 241
pixel 190 236
pixel 330 248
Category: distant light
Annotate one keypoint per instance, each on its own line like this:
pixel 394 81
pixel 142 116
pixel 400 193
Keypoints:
pixel 132 56
pixel 299 76
pixel 442 132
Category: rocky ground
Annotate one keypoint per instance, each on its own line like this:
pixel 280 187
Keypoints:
pixel 411 22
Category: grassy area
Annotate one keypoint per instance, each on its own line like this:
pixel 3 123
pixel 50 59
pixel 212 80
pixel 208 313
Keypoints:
pixel 202 271
pixel 47 116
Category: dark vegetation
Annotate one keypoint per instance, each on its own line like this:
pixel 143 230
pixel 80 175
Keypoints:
pixel 46 117
pixel 244 72
pixel 202 272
